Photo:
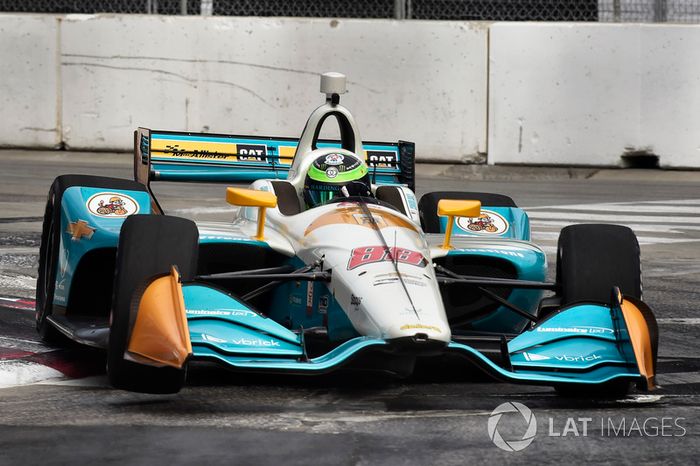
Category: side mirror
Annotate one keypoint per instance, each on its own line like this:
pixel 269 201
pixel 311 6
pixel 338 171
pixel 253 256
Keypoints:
pixel 452 208
pixel 253 198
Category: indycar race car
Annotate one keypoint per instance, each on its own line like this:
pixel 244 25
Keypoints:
pixel 329 262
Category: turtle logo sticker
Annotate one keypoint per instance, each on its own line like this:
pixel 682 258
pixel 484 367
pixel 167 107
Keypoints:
pixel 112 205
pixel 488 223
pixel 334 159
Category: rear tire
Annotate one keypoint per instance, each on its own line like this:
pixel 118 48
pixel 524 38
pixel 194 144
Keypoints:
pixel 148 246
pixel 427 207
pixel 593 258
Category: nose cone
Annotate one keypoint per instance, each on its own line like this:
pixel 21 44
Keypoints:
pixel 383 303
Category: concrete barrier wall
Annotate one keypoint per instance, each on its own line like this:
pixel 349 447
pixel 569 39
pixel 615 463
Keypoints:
pixel 586 94
pixel 557 93
pixel 421 81
pixel 29 97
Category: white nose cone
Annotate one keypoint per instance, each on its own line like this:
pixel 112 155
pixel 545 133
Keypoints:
pixel 333 83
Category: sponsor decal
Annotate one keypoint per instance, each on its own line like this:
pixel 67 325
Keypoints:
pixel 334 159
pixel 78 230
pixel 309 298
pixel 535 357
pixel 355 300
pixel 112 205
pixel 502 252
pixel 323 304
pixel 420 327
pixel 411 199
pixel 566 358
pixel 254 342
pixel 532 357
pixel 145 143
pixel 488 223
pixel 381 158
pixel 221 312
pixel 331 172
pixel 177 151
pixel 212 339
pixel 295 300
pixel 389 278
pixel 583 330
pixel 363 219
pixel 372 254
pixel 252 152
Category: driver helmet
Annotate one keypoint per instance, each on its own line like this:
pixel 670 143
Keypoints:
pixel 329 173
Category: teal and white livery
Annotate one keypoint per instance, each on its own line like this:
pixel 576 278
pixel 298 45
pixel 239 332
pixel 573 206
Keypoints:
pixel 331 262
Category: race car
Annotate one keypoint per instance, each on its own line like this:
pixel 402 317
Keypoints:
pixel 329 262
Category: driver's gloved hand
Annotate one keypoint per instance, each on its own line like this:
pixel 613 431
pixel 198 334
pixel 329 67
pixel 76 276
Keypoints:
pixel 356 188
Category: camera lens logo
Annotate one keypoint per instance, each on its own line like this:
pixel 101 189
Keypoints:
pixel 530 426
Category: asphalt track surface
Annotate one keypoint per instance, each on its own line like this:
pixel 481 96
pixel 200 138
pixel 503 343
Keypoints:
pixel 56 407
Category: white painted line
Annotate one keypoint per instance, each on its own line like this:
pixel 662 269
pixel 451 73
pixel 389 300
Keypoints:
pixel 19 250
pixel 650 227
pixel 613 218
pixel 675 201
pixel 17 372
pixel 93 381
pixel 549 235
pixel 626 208
pixel 679 321
pixel 670 202
pixel 23 282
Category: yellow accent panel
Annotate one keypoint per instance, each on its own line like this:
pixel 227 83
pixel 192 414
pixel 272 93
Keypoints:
pixel 250 197
pixel 160 332
pixel 641 341
pixel 459 208
pixel 287 151
pixel 198 150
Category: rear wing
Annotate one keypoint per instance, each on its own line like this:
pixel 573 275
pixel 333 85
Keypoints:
pixel 181 156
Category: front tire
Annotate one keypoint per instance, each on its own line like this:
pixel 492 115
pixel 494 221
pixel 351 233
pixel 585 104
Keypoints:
pixel 592 258
pixel 51 244
pixel 148 246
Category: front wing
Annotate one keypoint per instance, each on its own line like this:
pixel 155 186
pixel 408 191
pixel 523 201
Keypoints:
pixel 585 344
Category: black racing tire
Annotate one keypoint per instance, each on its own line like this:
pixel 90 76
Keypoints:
pixel 148 246
pixel 427 206
pixel 593 258
pixel 51 240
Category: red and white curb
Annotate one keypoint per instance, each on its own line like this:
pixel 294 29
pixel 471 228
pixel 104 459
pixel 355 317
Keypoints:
pixel 26 360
